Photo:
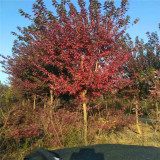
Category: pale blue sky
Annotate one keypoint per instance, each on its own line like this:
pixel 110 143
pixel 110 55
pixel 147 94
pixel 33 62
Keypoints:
pixel 147 10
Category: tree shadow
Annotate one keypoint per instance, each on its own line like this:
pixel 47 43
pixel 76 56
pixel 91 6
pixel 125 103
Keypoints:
pixel 87 154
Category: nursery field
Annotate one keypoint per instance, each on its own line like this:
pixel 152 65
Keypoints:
pixel 76 78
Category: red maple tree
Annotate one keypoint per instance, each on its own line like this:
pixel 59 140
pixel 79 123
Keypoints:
pixel 81 53
pixel 87 50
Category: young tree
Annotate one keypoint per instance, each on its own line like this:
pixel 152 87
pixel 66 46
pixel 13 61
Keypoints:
pixel 144 60
pixel 81 53
pixel 86 48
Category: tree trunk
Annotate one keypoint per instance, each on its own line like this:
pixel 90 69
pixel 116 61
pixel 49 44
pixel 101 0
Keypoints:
pixel 157 119
pixel 23 102
pixel 84 109
pixel 106 105
pixel 44 105
pixel 82 61
pixel 97 62
pixel 51 95
pixel 137 119
pixel 28 101
pixel 130 110
pixel 85 118
pixel 157 111
pixel 34 102
pixel 96 65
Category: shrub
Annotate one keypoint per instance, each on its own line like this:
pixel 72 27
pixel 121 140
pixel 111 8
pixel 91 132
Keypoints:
pixel 115 120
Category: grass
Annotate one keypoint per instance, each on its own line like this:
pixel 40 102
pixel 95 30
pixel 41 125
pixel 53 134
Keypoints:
pixel 129 136
pixel 125 135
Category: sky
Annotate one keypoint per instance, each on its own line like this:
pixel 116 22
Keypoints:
pixel 148 11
